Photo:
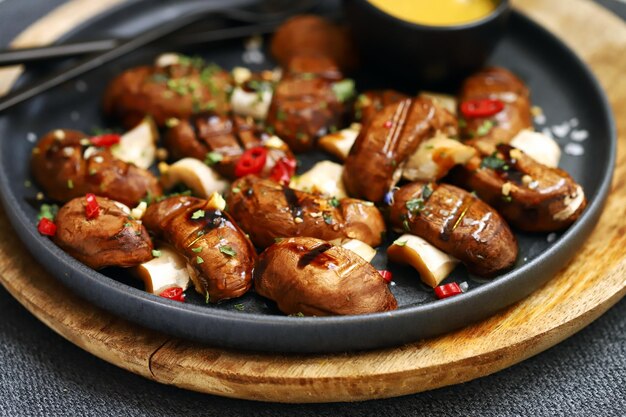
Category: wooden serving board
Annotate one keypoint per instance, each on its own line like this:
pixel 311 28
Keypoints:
pixel 582 291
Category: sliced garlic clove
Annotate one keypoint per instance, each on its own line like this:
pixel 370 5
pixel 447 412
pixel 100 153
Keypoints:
pixel 538 146
pixel 361 248
pixel 251 103
pixel 193 173
pixel 324 179
pixel 435 157
pixel 432 264
pixel 340 143
pixel 163 272
pixel 138 146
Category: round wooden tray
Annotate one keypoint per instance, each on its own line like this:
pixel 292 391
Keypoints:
pixel 594 280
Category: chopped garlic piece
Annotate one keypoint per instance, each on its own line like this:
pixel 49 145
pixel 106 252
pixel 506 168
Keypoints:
pixel 139 211
pixel 432 264
pixel 340 143
pixel 324 178
pixel 435 157
pixel 167 59
pixel 538 146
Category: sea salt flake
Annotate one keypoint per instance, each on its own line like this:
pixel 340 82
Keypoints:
pixel 540 119
pixel 31 137
pixel 561 130
pixel 574 149
pixel 579 135
pixel 574 122
pixel 551 237
pixel 546 131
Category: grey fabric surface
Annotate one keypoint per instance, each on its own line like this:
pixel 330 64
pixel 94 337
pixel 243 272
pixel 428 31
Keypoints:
pixel 44 375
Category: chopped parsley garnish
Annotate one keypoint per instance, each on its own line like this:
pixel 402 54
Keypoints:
pixel 328 218
pixel 400 242
pixel 227 250
pixel 196 250
pixel 70 184
pixel 199 260
pixel 462 123
pixel 426 192
pixel 493 162
pixel 207 298
pixel 236 190
pixel 198 214
pixel 156 253
pixel 278 239
pixel 334 202
pixel 307 76
pixel 49 211
pixel 239 307
pixel 188 61
pixel 281 115
pixel 270 130
pixel 344 89
pixel 406 226
pixel 415 205
pixel 485 128
pixel 507 198
pixel 213 158
pixel 128 224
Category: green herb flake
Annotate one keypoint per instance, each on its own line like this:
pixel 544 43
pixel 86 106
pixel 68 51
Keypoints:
pixel 485 128
pixel 328 218
pixel 128 224
pixel 207 298
pixel 427 192
pixel 406 226
pixel 307 76
pixel 344 89
pixel 227 250
pixel 239 307
pixel 492 162
pixel 415 205
pixel 400 242
pixel 236 190
pixel 198 214
pixel 49 211
pixel 270 130
pixel 462 123
pixel 213 158
pixel 196 250
pixel 281 115
pixel 199 260
pixel 70 184
pixel 507 198
pixel 334 202
pixel 278 239
pixel 156 253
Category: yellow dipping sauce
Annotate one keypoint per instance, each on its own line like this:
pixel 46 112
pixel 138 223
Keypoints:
pixel 437 12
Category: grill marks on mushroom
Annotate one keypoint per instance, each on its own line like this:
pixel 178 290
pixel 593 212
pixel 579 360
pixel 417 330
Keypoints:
pixel 66 166
pixel 220 258
pixel 530 196
pixel 269 211
pixel 375 161
pixel 457 223
pixel 312 277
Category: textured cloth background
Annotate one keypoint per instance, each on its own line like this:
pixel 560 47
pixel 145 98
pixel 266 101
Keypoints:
pixel 41 374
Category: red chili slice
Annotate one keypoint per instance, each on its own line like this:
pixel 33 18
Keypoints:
pixel 387 275
pixel 47 227
pixel 481 108
pixel 251 162
pixel 284 169
pixel 106 140
pixel 448 290
pixel 92 208
pixel 174 293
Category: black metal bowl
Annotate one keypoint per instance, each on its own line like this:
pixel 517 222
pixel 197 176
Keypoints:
pixel 422 54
